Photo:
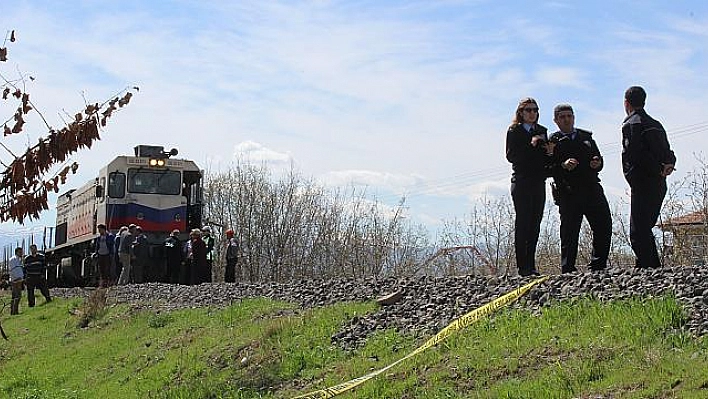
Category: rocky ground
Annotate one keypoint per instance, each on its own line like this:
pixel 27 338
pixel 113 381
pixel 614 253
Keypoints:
pixel 427 304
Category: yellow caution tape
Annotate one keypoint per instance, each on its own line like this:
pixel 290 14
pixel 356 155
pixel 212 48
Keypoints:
pixel 453 327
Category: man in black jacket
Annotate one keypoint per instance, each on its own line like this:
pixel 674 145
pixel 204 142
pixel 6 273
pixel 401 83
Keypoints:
pixel 35 275
pixel 173 257
pixel 577 191
pixel 647 160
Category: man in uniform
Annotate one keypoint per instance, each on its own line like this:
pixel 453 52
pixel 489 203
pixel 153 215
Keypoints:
pixel 173 257
pixel 647 160
pixel 140 261
pixel 577 191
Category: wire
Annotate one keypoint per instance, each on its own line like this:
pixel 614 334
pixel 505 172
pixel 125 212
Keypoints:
pixel 465 179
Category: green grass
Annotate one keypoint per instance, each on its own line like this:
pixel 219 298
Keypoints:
pixel 266 349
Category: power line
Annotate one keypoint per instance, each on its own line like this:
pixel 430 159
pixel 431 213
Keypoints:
pixel 465 179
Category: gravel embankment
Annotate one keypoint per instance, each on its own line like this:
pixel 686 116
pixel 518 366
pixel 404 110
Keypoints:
pixel 428 303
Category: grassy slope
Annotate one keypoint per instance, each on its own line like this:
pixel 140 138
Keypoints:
pixel 627 349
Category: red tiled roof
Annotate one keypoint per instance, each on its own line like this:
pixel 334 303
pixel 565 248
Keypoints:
pixel 697 217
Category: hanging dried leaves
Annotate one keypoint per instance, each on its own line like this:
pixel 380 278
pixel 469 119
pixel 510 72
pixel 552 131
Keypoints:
pixel 23 187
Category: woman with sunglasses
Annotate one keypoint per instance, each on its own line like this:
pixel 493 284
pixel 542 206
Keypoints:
pixel 528 150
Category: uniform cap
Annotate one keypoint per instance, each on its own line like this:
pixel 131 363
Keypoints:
pixel 229 232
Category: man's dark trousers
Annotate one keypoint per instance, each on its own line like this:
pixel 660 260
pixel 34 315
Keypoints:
pixel 646 199
pixel 591 203
pixel 36 281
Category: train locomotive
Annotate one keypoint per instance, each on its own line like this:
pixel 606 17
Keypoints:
pixel 151 189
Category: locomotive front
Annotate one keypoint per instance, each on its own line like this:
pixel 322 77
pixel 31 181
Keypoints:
pixel 151 190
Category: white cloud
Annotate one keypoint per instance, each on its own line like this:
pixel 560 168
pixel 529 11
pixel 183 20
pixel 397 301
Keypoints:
pixel 561 76
pixel 256 153
pixel 396 183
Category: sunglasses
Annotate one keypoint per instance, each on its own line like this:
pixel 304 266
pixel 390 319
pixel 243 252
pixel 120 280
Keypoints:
pixel 530 109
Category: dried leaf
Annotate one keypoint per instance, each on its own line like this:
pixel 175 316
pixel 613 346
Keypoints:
pixel 12 36
pixel 125 100
pixel 25 103
pixel 18 124
pixel 3 54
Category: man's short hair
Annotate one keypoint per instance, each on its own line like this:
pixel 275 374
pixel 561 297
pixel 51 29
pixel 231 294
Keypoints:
pixel 636 96
pixel 101 226
pixel 560 108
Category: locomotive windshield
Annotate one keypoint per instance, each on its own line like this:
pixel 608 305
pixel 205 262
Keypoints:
pixel 146 181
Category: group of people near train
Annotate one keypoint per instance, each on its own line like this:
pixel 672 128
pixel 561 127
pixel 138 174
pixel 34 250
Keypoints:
pixel 571 157
pixel 125 258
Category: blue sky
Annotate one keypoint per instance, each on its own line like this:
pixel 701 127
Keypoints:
pixel 402 97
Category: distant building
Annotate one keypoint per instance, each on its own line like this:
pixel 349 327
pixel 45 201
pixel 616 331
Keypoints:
pixel 686 238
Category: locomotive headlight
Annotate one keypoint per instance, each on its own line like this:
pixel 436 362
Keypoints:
pixel 153 162
pixel 160 162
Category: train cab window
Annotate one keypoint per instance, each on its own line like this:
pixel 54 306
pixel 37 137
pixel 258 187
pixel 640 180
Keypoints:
pixel 144 181
pixel 116 185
